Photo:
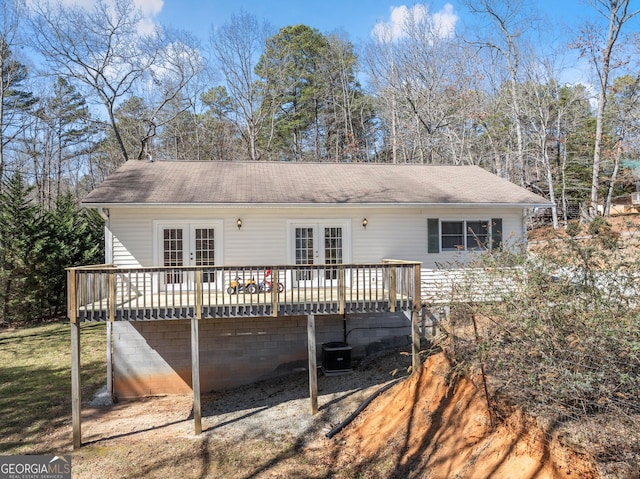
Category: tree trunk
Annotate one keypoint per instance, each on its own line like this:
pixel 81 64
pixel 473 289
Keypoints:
pixel 614 177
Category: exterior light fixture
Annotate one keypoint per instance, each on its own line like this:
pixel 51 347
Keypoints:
pixel 239 223
pixel 364 223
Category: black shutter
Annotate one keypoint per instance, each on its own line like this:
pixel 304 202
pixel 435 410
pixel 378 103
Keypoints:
pixel 433 234
pixel 496 233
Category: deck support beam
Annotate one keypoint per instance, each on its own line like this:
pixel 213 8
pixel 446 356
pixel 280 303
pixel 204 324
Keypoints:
pixel 195 377
pixel 75 385
pixel 313 368
pixel 415 321
pixel 195 356
pixel 415 340
pixel 275 292
pixel 110 385
pixel 76 391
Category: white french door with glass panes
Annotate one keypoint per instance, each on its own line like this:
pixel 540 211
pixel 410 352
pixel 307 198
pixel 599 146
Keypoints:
pixel 319 244
pixel 187 244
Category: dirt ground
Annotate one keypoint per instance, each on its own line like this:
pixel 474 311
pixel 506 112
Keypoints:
pixel 437 426
pixel 628 224
pixel 428 425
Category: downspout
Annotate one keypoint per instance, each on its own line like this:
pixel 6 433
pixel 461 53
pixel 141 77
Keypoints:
pixel 108 259
pixel 108 237
pixel 344 328
pixel 526 215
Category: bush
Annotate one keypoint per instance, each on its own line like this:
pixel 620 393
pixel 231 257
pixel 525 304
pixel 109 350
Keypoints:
pixel 601 228
pixel 598 225
pixel 573 228
pixel 568 338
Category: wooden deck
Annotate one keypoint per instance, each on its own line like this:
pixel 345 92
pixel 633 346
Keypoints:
pixel 107 293
pixel 219 304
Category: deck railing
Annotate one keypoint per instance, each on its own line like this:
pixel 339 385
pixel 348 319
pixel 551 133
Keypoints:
pixel 109 293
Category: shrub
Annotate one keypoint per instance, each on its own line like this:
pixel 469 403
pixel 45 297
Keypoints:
pixel 568 338
pixel 597 226
pixel 573 228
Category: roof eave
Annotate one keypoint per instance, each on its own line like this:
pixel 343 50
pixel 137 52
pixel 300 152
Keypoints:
pixel 316 205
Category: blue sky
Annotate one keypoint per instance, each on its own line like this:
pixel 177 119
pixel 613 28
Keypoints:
pixel 357 18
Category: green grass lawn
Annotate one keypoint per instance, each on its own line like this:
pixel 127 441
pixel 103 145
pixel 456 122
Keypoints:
pixel 35 381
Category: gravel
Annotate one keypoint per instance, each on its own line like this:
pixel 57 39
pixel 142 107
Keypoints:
pixel 282 406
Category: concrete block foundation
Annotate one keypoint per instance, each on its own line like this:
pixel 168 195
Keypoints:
pixel 154 357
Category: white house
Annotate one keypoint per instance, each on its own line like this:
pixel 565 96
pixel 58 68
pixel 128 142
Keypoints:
pixel 340 233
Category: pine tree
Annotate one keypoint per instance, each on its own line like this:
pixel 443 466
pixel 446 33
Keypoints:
pixel 72 237
pixel 20 240
pixel 67 116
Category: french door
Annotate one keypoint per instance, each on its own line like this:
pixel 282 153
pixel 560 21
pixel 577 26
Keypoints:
pixel 318 244
pixel 187 244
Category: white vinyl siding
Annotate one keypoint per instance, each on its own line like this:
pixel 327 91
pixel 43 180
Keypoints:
pixel 264 239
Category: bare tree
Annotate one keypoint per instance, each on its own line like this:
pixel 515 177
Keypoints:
pixel 540 100
pixel 503 36
pixel 625 116
pixel 237 47
pixel 574 113
pixel 423 83
pixel 346 116
pixel 14 100
pixel 381 68
pixel 108 51
pixel 177 63
pixel 601 52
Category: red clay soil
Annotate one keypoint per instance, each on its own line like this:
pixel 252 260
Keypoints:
pixel 438 428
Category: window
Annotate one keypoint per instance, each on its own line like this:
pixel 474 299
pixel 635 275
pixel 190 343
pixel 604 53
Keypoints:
pixel 452 238
pixel 318 242
pixel 183 243
pixel 332 250
pixel 477 234
pixel 173 246
pixel 463 235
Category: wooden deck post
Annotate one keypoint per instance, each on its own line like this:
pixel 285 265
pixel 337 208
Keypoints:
pixel 75 385
pixel 112 296
pixel 112 317
pixel 195 357
pixel 342 290
pixel 392 289
pixel 72 311
pixel 110 385
pixel 415 321
pixel 195 377
pixel 313 371
pixel 274 293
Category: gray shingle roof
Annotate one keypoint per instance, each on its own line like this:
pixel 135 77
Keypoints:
pixel 240 183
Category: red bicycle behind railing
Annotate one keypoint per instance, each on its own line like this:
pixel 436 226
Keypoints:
pixel 266 285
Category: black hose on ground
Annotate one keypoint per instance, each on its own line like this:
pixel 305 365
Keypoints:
pixel 355 413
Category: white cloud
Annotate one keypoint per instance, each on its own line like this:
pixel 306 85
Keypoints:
pixel 445 21
pixel 442 23
pixel 149 7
